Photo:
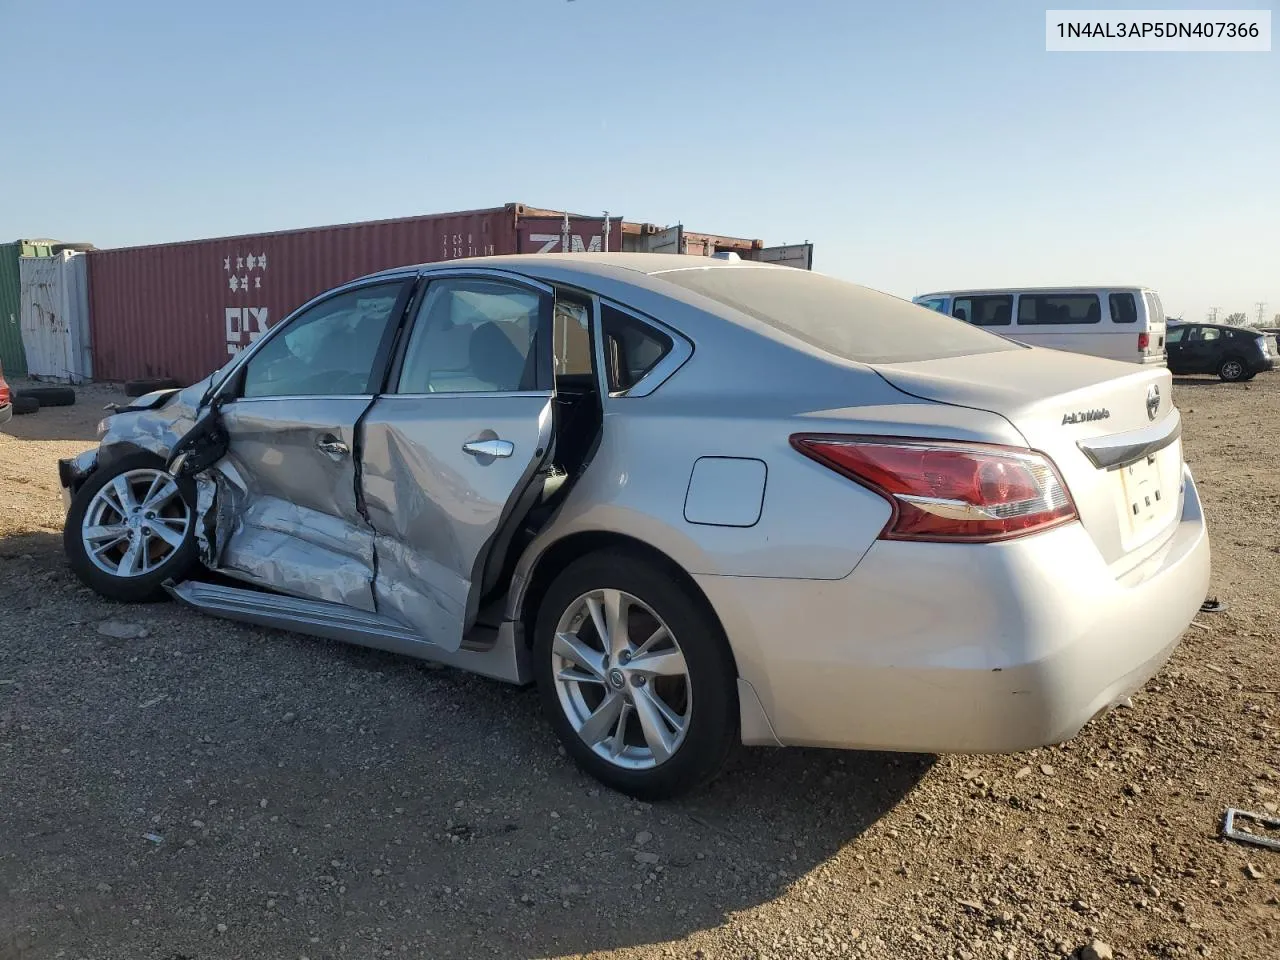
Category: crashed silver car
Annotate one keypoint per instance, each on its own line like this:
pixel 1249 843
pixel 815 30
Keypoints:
pixel 699 502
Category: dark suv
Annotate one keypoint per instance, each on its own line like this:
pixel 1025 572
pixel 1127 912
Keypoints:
pixel 1233 353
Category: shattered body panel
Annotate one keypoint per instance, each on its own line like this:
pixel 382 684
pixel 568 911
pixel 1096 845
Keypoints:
pixel 287 516
pixel 435 507
pixel 155 430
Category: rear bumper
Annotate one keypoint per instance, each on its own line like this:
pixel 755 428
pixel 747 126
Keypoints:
pixel 1262 364
pixel 963 648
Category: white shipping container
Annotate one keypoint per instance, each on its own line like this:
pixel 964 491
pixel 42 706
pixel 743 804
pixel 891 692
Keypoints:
pixel 54 317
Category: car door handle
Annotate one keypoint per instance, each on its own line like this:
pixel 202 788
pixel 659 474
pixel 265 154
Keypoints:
pixel 331 445
pixel 489 448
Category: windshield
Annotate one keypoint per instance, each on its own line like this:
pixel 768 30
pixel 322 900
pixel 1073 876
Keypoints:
pixel 837 317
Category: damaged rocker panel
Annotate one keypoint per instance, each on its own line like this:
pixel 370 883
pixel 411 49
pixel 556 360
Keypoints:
pixel 495 653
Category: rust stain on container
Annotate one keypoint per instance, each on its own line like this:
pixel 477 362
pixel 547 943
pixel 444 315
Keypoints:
pixel 180 310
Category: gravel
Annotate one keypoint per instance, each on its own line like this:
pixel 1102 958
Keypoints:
pixel 409 810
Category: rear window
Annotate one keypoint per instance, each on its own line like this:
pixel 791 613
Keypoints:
pixel 837 317
pixel 1124 309
pixel 1155 309
pixel 1042 308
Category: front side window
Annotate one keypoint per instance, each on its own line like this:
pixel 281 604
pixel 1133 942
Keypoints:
pixel 631 348
pixel 329 350
pixel 1124 309
pixel 1059 308
pixel 993 311
pixel 473 336
pixel 1175 334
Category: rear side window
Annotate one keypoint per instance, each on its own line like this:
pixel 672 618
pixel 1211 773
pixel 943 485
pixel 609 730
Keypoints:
pixel 993 311
pixel 1044 308
pixel 631 348
pixel 1124 309
pixel 936 304
pixel 834 316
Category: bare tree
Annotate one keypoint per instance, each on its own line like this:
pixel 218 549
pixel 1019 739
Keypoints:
pixel 1237 319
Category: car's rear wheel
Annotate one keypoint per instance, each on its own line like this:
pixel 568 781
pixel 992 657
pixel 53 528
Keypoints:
pixel 1232 369
pixel 636 676
pixel 130 528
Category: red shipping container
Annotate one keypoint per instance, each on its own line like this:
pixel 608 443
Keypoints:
pixel 181 309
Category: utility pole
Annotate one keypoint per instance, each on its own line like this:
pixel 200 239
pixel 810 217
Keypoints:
pixel 1261 305
pixel 1213 314
pixel 605 238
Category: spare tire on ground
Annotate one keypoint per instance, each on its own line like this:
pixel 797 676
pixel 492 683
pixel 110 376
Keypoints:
pixel 49 396
pixel 23 405
pixel 136 388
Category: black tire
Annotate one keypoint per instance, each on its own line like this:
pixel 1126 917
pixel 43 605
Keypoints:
pixel 137 388
pixel 1232 370
pixel 22 405
pixel 712 731
pixel 50 396
pixel 146 587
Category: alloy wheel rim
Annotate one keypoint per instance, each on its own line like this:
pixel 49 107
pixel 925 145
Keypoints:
pixel 135 523
pixel 621 679
pixel 1232 369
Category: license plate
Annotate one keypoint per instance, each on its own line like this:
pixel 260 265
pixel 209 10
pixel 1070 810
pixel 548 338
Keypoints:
pixel 1142 492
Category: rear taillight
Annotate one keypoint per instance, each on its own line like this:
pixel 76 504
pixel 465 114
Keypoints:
pixel 5 398
pixel 1144 341
pixel 950 491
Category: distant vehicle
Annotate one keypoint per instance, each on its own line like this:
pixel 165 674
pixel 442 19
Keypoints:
pixel 6 400
pixel 1233 353
pixel 564 469
pixel 1119 323
pixel 1274 332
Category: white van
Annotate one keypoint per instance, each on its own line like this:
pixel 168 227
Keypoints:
pixel 1120 323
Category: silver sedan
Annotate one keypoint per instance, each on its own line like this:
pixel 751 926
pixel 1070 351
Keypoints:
pixel 699 503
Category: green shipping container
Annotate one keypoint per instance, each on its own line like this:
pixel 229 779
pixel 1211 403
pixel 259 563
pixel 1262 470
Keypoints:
pixel 13 359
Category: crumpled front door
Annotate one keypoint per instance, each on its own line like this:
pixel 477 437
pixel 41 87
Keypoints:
pixel 287 489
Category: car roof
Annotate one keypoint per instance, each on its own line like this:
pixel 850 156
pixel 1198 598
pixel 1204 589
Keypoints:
pixel 613 265
pixel 1216 326
pixel 1074 288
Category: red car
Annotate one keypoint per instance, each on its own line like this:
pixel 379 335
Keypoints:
pixel 6 400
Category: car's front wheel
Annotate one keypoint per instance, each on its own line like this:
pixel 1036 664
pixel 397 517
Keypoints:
pixel 635 675
pixel 130 528
pixel 1231 370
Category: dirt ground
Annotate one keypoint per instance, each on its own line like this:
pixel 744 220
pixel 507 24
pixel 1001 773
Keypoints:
pixel 212 790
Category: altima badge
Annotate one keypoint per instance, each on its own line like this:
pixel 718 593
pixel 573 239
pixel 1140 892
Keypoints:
pixel 1084 416
pixel 1153 401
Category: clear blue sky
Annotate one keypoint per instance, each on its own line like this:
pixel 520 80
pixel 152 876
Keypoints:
pixel 918 145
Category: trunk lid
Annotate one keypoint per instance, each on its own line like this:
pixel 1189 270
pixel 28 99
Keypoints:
pixel 1121 462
